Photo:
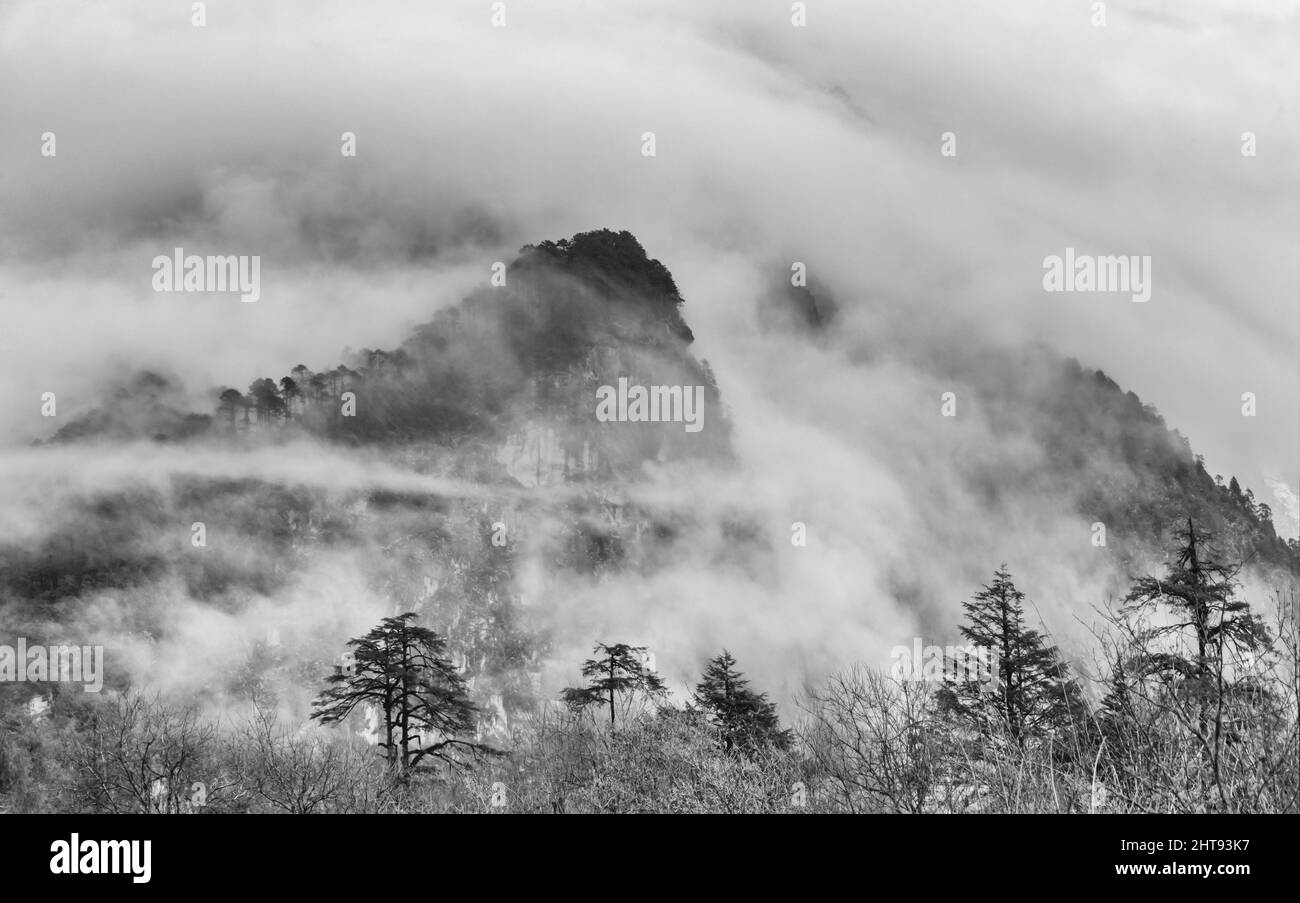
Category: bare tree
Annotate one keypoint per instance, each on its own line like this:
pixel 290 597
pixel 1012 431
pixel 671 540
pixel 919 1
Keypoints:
pixel 140 754
pixel 300 772
pixel 875 740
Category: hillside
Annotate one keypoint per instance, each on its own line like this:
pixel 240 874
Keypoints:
pixel 497 394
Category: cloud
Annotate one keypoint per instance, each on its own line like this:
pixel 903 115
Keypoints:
pixel 774 144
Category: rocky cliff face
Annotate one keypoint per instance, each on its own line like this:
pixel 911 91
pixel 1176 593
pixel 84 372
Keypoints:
pixel 499 480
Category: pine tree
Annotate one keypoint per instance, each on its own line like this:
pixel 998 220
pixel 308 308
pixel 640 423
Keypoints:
pixel 1118 726
pixel 402 670
pixel 618 670
pixel 745 720
pixel 1198 590
pixel 1034 693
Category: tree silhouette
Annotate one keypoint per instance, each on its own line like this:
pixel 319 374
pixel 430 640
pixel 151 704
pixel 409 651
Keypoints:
pixel 290 392
pixel 402 670
pixel 266 398
pixel 745 719
pixel 618 670
pixel 1198 590
pixel 1034 692
pixel 231 399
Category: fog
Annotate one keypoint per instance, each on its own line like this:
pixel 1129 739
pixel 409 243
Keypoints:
pixel 774 144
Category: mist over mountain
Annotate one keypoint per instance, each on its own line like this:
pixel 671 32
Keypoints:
pixel 517 363
pixel 470 480
pixel 699 338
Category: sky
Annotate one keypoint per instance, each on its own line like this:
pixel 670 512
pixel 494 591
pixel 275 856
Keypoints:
pixel 774 143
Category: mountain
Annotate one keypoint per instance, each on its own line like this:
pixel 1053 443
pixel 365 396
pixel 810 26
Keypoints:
pixel 1125 468
pixel 498 396
pixel 502 387
pixel 495 394
pixel 511 369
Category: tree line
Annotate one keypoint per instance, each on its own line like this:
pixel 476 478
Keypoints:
pixel 270 402
pixel 1192 706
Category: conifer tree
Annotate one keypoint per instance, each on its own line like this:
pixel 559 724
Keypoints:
pixel 1033 692
pixel 402 670
pixel 618 670
pixel 1208 626
pixel 745 719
